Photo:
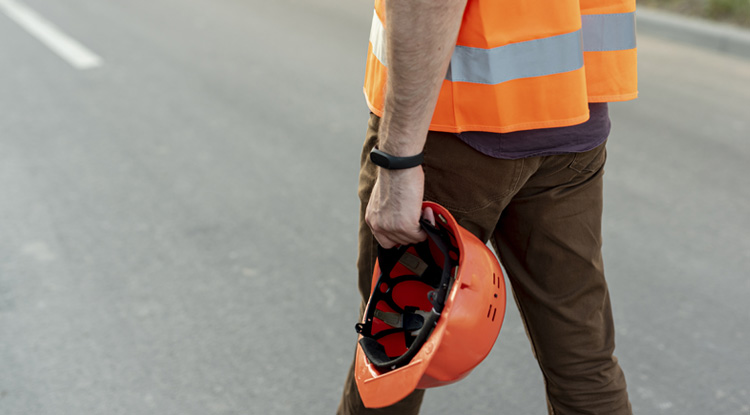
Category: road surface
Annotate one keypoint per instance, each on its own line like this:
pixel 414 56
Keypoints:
pixel 177 220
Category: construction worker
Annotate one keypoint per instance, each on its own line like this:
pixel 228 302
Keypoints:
pixel 497 110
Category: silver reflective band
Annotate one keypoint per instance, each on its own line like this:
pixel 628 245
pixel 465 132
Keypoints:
pixel 539 57
pixel 608 32
pixel 377 39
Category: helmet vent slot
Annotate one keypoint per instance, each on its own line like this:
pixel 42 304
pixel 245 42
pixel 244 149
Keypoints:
pixel 492 312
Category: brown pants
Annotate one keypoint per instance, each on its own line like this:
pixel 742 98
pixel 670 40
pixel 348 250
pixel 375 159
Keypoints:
pixel 543 217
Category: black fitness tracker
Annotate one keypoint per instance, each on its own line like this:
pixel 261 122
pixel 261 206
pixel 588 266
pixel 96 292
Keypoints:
pixel 390 162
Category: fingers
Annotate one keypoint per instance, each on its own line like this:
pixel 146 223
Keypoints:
pixel 394 235
pixel 391 234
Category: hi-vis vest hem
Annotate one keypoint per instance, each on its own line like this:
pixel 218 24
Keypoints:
pixel 613 98
pixel 525 65
pixel 510 128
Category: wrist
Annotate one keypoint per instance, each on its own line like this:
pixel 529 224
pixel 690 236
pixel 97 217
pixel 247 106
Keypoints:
pixel 391 162
pixel 401 134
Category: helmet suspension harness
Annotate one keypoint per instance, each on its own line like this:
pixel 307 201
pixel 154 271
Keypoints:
pixel 408 297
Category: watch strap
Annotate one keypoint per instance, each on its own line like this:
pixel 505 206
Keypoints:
pixel 390 162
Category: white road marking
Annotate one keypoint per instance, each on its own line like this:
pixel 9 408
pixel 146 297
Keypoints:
pixel 66 47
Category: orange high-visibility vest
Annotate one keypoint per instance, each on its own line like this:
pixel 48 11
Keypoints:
pixel 521 65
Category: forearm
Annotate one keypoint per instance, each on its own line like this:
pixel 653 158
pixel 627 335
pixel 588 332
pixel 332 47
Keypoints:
pixel 421 35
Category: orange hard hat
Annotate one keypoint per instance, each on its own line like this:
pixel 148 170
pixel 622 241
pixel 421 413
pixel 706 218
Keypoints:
pixel 434 313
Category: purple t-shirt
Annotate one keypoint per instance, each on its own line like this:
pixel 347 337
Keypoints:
pixel 544 141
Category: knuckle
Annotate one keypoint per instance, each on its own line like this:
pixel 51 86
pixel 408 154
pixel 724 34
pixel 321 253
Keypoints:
pixel 371 222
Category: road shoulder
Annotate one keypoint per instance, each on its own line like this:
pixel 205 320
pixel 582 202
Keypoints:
pixel 693 31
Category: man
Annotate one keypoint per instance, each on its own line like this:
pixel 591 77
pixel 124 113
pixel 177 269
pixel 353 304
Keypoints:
pixel 513 144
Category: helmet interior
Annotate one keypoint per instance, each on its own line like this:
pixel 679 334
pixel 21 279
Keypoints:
pixel 408 297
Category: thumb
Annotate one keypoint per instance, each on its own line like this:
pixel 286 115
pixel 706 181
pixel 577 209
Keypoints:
pixel 429 215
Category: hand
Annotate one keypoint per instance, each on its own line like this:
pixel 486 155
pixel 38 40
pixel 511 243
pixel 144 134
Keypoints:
pixel 395 205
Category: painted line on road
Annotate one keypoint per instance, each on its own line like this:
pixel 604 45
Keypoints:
pixel 63 45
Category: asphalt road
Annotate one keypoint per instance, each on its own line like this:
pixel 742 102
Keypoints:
pixel 178 225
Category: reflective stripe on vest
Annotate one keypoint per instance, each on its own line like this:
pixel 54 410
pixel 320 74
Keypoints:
pixel 608 32
pixel 538 66
pixel 539 57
